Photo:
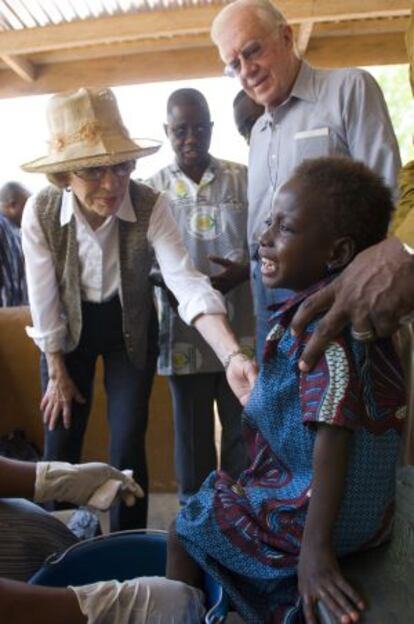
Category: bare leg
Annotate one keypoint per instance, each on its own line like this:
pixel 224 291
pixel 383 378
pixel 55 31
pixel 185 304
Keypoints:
pixel 46 605
pixel 180 566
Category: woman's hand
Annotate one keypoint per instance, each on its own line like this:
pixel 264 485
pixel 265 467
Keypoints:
pixel 60 392
pixel 320 579
pixel 57 401
pixel 241 375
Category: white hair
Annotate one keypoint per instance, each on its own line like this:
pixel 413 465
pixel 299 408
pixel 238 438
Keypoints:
pixel 267 14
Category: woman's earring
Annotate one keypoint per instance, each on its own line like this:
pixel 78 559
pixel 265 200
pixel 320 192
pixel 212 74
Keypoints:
pixel 329 269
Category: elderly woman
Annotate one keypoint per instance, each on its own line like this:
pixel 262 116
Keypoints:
pixel 89 241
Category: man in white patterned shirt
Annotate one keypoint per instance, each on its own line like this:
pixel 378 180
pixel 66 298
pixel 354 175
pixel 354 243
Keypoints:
pixel 209 202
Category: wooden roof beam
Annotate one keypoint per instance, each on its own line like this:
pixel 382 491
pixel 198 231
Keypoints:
pixel 181 21
pixel 21 67
pixel 194 63
pixel 303 37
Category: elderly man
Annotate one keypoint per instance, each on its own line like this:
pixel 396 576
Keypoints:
pixel 309 113
pixel 376 291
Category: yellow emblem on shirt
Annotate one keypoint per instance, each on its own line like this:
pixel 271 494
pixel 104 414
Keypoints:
pixel 181 188
pixel 204 223
pixel 179 359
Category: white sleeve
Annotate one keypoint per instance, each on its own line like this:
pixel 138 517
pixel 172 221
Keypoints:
pixel 49 328
pixel 191 288
pixel 144 600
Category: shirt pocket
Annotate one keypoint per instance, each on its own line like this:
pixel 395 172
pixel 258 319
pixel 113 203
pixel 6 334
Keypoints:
pixel 312 143
pixel 232 205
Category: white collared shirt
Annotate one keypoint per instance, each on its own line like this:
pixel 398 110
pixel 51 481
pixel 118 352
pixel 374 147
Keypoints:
pixel 99 267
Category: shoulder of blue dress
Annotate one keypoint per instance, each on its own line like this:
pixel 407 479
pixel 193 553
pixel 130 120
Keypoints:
pixel 291 304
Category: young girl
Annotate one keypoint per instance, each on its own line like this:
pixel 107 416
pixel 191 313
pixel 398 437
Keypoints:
pixel 324 445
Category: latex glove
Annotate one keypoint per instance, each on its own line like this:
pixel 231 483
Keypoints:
pixel 78 483
pixel 144 600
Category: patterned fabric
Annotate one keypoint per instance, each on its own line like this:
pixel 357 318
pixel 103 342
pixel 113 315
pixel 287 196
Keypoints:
pixel 13 290
pixel 247 533
pixel 212 217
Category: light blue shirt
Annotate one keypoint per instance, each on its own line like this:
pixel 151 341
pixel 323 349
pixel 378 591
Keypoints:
pixel 328 112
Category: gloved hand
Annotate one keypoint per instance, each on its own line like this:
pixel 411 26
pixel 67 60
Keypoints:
pixel 79 483
pixel 144 600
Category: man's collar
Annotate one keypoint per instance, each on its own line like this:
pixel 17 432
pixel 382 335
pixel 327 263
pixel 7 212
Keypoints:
pixel 304 85
pixel 303 89
pixel 70 206
pixel 208 174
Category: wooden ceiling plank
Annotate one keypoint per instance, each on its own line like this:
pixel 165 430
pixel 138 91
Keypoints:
pixel 361 50
pixel 144 46
pixel 180 21
pixel 361 27
pixel 193 63
pixel 183 64
pixel 148 46
pixel 303 36
pixel 21 67
pixel 334 10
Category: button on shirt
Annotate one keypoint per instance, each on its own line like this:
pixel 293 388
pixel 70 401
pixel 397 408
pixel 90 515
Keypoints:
pixel 212 218
pixel 329 112
pixel 99 267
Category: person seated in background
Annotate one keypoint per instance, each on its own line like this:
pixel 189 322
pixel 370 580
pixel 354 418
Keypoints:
pixel 246 112
pixel 13 197
pixel 209 203
pixel 13 289
pixel 323 446
pixel 28 533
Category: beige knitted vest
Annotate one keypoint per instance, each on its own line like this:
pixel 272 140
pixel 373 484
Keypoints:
pixel 135 260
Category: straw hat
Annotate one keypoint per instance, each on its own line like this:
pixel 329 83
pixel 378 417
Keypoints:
pixel 86 130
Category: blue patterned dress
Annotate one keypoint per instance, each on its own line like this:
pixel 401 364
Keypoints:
pixel 247 533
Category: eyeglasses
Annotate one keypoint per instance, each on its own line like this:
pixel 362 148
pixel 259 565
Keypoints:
pixel 250 53
pixel 200 130
pixel 121 170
